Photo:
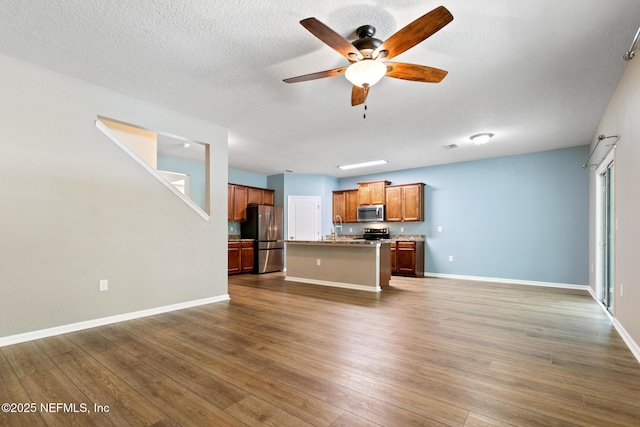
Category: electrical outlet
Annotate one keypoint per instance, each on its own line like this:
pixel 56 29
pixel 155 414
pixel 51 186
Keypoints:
pixel 450 258
pixel 318 261
pixel 621 289
pixel 402 229
pixel 104 285
pixel 439 229
pixel 350 229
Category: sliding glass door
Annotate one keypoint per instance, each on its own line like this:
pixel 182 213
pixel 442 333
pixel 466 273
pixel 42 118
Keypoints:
pixel 608 235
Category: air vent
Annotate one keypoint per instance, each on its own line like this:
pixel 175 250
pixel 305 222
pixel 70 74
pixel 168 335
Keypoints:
pixel 452 146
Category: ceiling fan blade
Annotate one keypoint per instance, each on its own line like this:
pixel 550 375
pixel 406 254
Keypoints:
pixel 331 38
pixel 415 32
pixel 413 72
pixel 358 95
pixel 314 76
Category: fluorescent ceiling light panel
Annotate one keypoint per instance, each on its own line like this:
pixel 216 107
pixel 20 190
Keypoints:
pixel 364 164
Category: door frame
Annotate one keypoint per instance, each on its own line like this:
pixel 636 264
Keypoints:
pixel 600 255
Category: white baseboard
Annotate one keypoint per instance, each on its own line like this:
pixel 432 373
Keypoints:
pixel 334 284
pixel 511 281
pixel 633 346
pixel 73 327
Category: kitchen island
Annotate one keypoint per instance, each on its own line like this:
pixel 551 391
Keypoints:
pixel 353 264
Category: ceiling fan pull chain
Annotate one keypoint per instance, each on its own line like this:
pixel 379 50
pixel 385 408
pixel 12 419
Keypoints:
pixel 366 92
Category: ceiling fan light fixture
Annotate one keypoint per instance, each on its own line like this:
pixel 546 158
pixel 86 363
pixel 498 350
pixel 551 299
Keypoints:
pixel 363 164
pixel 481 138
pixel 366 72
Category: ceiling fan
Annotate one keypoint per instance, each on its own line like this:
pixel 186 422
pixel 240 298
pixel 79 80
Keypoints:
pixel 366 54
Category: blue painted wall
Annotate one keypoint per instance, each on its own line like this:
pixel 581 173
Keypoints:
pixel 312 185
pixel 521 217
pixel 247 178
pixel 195 170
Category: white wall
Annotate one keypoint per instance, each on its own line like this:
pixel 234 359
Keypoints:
pixel 75 208
pixel 622 118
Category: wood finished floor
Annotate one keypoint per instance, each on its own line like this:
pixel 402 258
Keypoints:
pixel 431 352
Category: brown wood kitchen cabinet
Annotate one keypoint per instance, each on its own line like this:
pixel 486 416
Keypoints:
pixel 268 197
pixel 345 204
pixel 392 248
pixel 237 205
pixel 372 193
pixel 240 196
pixel 259 196
pixel 241 256
pixel 407 258
pixel 405 202
pixel 254 196
pixel 233 253
pixel 246 256
pixel 339 205
pixel 351 212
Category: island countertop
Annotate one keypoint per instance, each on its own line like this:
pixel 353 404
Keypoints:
pixel 340 242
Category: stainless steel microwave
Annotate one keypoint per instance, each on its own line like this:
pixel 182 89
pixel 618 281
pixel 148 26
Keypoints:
pixel 370 213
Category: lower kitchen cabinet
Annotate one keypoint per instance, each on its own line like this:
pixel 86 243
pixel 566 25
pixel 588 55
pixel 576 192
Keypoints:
pixel 233 252
pixel 407 258
pixel 241 256
pixel 246 256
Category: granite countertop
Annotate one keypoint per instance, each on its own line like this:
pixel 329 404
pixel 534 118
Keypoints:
pixel 408 238
pixel 236 238
pixel 354 242
pixel 393 238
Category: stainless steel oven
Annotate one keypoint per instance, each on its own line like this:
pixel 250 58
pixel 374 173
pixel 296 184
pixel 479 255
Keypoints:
pixel 375 233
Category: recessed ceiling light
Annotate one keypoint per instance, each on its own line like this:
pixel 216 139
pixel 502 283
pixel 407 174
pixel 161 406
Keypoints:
pixel 481 138
pixel 364 164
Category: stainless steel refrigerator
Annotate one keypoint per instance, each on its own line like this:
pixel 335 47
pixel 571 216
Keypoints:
pixel 265 225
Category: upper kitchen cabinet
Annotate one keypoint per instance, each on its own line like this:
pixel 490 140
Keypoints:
pixel 339 205
pixel 259 196
pixel 268 197
pixel 405 202
pixel 239 196
pixel 254 196
pixel 372 193
pixel 345 204
pixel 237 202
pixel 351 212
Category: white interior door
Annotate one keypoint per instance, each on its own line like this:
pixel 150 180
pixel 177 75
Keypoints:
pixel 303 218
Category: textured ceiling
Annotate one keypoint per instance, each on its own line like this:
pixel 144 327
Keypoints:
pixel 536 73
